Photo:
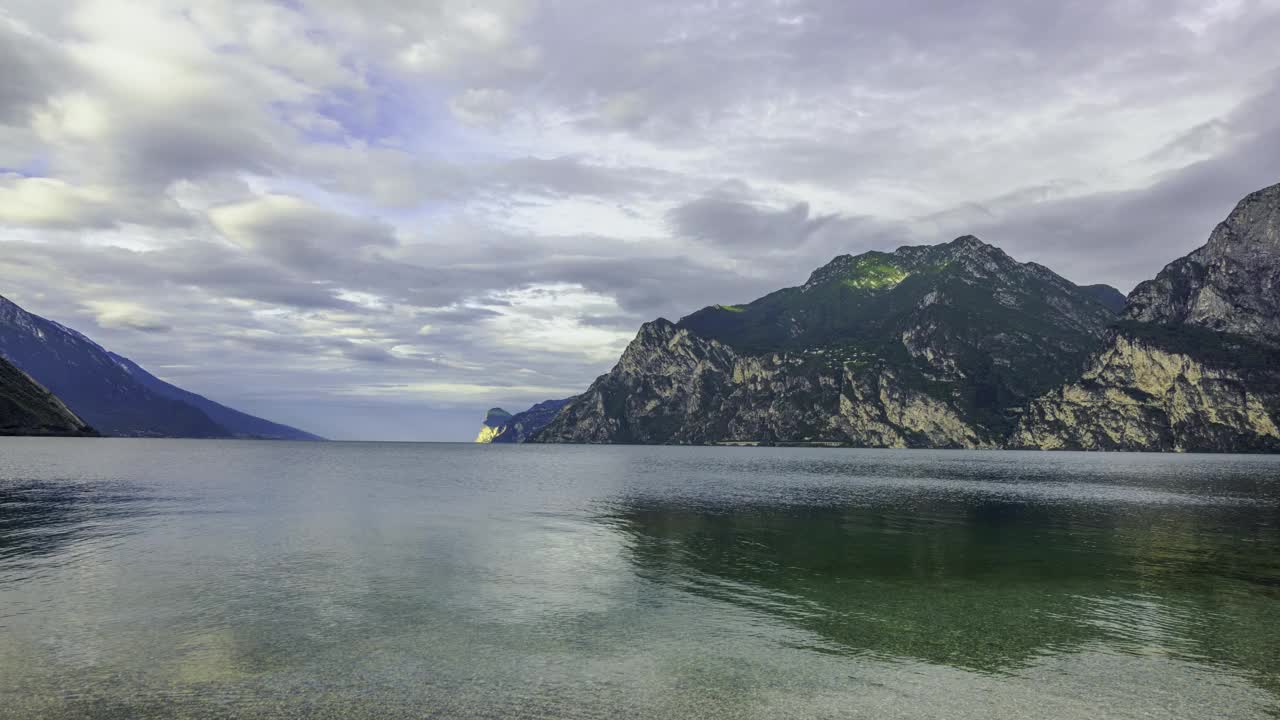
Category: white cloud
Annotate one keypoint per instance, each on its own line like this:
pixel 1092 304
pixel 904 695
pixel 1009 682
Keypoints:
pixel 482 106
pixel 52 202
pixel 290 230
pixel 552 319
pixel 123 314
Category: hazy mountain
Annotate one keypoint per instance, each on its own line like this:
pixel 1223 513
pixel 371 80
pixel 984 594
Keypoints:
pixel 503 427
pixel 1111 298
pixel 495 423
pixel 239 424
pixel 26 408
pixel 108 391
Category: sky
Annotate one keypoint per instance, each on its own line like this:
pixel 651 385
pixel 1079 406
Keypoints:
pixel 376 220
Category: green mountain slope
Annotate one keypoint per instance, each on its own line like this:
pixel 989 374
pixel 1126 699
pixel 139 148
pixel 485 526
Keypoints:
pixel 963 322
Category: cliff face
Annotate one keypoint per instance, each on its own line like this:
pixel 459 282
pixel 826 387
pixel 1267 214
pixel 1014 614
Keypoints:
pixel 1196 364
pixel 27 408
pixel 1141 394
pixel 672 386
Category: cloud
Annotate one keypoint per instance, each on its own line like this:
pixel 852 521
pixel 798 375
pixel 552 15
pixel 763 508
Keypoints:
pixel 1134 231
pixel 729 217
pixel 127 315
pixel 482 106
pixel 52 203
pixel 34 68
pixel 297 234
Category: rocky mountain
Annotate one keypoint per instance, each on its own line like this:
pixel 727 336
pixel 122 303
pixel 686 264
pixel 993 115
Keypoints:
pixel 1195 365
pixel 928 346
pixel 501 426
pixel 111 393
pixel 26 408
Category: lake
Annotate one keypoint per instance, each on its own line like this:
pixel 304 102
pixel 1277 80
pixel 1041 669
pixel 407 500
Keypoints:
pixel 211 579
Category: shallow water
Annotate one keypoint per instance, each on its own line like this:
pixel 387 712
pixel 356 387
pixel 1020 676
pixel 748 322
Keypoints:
pixel 163 578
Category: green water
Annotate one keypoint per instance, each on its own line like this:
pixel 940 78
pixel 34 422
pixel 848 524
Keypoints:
pixel 157 579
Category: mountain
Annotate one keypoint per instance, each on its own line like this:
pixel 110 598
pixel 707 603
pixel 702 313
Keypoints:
pixel 927 346
pixel 26 408
pixel 503 427
pixel 495 423
pixel 108 391
pixel 1195 364
pixel 241 425
pixel 1111 298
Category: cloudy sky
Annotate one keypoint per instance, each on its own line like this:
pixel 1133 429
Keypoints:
pixel 377 219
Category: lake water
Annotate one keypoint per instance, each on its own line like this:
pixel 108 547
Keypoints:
pixel 164 578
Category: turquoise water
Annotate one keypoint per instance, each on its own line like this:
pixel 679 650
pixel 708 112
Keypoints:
pixel 162 578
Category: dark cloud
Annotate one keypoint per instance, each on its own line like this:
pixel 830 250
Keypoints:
pixel 34 69
pixel 726 218
pixel 300 235
pixel 1122 238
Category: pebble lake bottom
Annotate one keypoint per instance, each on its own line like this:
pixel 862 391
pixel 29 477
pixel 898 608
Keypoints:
pixel 229 579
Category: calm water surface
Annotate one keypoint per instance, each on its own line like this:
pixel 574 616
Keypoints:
pixel 161 578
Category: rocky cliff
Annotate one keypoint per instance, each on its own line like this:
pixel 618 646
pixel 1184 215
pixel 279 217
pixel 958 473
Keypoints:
pixel 1230 285
pixel 674 387
pixel 27 408
pixel 1195 366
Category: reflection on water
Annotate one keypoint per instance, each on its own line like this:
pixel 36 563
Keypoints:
pixel 61 520
pixel 990 587
pixel 145 579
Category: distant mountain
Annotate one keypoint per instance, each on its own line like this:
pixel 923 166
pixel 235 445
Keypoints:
pixel 106 390
pixel 503 427
pixel 495 423
pixel 240 424
pixel 26 408
pixel 1195 365
pixel 928 346
pixel 1111 298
